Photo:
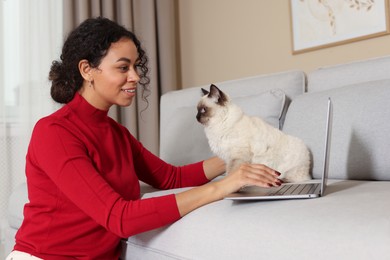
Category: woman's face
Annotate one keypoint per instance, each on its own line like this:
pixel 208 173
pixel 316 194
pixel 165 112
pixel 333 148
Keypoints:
pixel 116 78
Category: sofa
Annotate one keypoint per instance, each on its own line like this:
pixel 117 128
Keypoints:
pixel 352 219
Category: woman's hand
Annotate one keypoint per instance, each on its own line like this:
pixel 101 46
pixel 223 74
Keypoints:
pixel 249 174
pixel 246 174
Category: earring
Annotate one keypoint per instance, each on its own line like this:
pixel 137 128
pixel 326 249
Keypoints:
pixel 90 83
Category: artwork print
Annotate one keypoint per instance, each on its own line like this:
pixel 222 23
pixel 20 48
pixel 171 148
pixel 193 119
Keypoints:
pixel 323 23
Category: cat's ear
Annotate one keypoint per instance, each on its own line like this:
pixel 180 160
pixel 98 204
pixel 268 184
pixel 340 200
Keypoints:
pixel 218 95
pixel 205 92
pixel 215 92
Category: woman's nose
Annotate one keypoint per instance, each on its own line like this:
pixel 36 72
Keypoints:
pixel 133 76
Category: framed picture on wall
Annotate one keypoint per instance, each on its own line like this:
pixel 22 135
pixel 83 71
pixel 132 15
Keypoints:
pixel 318 24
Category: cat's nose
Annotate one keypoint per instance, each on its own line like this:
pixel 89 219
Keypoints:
pixel 198 117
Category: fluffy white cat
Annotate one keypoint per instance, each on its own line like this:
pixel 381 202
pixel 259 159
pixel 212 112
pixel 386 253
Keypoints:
pixel 238 138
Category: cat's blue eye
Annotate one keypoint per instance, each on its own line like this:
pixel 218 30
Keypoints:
pixel 203 110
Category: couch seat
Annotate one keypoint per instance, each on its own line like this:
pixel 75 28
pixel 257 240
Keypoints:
pixel 352 219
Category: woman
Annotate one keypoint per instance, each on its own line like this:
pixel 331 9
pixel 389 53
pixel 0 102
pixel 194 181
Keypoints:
pixel 83 168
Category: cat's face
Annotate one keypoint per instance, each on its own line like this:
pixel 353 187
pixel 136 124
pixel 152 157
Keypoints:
pixel 211 103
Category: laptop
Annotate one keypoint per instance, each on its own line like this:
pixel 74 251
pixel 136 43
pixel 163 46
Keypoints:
pixel 304 190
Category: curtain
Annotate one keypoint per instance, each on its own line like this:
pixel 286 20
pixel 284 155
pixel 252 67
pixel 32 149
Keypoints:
pixel 154 22
pixel 31 37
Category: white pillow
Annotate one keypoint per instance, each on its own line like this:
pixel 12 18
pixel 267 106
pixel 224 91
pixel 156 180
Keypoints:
pixel 267 105
pixel 185 141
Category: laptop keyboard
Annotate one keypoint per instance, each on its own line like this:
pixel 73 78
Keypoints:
pixel 293 189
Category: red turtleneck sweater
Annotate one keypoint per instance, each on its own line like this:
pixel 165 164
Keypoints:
pixel 82 173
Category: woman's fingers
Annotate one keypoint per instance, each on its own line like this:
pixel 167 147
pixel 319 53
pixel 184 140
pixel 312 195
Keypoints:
pixel 260 175
pixel 247 175
pixel 261 168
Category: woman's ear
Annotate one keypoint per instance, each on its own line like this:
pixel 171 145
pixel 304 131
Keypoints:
pixel 85 70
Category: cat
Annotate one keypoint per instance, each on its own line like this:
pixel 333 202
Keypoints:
pixel 238 138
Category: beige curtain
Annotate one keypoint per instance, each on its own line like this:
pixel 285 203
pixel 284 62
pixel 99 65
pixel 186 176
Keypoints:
pixel 155 23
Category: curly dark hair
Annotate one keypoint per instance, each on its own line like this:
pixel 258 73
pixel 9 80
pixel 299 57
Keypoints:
pixel 91 41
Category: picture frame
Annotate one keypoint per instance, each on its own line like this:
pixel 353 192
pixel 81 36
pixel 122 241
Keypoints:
pixel 317 24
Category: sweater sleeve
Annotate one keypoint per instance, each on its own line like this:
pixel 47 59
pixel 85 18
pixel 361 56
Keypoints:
pixel 154 171
pixel 61 155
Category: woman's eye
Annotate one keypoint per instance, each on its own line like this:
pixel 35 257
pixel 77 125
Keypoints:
pixel 138 68
pixel 124 68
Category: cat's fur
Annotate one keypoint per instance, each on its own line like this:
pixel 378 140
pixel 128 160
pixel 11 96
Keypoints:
pixel 238 138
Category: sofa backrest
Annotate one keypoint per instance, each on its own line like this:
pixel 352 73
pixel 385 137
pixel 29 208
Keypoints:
pixel 347 74
pixel 359 91
pixel 360 143
pixel 182 138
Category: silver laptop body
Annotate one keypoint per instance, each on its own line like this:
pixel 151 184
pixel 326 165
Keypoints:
pixel 292 190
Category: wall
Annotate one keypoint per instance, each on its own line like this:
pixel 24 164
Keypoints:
pixel 228 39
